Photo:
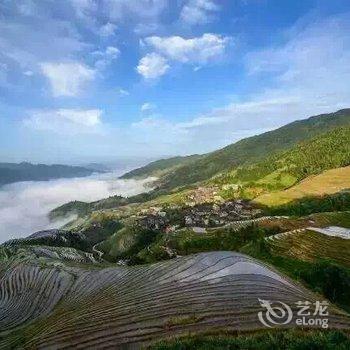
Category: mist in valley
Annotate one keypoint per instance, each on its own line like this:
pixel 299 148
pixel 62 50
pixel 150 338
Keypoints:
pixel 24 206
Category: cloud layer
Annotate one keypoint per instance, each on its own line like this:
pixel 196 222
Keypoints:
pixel 24 206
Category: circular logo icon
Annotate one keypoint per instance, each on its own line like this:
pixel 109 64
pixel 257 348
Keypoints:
pixel 276 313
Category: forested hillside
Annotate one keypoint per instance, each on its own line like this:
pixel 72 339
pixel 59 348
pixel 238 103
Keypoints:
pixel 282 170
pixel 253 149
pixel 326 151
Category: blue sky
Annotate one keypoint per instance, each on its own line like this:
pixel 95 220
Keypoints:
pixel 97 80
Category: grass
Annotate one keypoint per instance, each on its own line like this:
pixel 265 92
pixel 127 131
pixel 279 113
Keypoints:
pixel 269 340
pixel 310 246
pixel 127 243
pixel 182 320
pixel 278 179
pixel 186 242
pixel 337 202
pixel 329 182
pixel 332 219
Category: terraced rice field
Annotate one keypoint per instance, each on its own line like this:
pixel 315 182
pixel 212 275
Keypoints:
pixel 128 307
pixel 61 253
pixel 329 182
pixel 340 218
pixel 309 245
pixel 333 231
pixel 29 249
pixel 240 224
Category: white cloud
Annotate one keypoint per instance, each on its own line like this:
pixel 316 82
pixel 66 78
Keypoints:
pixel 143 15
pixel 65 121
pixel 152 66
pixel 307 75
pixel 142 10
pixel 67 78
pixel 160 133
pixel 28 29
pixel 198 11
pixel 143 29
pixel 68 28
pixel 84 8
pixel 112 52
pixel 148 107
pixel 107 57
pixel 3 66
pixel 200 50
pixel 123 92
pixel 107 30
pixel 150 123
pixel 243 115
pixel 28 73
pixel 307 78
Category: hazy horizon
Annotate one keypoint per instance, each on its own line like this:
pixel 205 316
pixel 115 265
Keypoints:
pixel 119 165
pixel 24 206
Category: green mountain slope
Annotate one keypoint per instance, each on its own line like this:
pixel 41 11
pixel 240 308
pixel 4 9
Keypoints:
pixel 277 169
pixel 253 149
pixel 327 183
pixel 159 167
pixel 263 179
pixel 327 151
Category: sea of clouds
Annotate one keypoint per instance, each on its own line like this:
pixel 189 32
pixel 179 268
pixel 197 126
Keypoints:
pixel 24 206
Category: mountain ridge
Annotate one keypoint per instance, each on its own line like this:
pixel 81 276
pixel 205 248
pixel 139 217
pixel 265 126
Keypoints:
pixel 250 149
pixel 277 171
pixel 24 171
pixel 159 167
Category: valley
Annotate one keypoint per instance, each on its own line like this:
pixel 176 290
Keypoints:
pixel 25 206
pixel 196 256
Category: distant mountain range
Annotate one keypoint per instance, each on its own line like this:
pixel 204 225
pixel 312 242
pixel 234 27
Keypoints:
pixel 13 172
pixel 98 167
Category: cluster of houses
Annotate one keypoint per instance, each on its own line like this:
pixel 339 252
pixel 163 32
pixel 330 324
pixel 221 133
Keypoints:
pixel 198 217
